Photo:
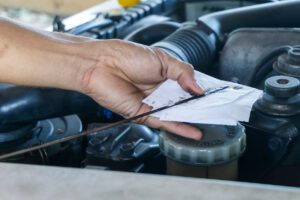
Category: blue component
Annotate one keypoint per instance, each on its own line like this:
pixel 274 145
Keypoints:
pixel 107 113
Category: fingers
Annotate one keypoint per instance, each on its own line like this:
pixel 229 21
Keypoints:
pixel 177 128
pixel 189 84
pixel 177 70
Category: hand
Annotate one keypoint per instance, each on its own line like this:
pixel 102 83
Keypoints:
pixel 117 74
pixel 126 73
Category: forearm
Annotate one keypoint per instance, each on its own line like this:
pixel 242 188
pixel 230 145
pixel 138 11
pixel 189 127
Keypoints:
pixel 118 75
pixel 38 58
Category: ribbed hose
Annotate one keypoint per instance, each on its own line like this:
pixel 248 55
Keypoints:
pixel 191 44
pixel 153 33
pixel 198 44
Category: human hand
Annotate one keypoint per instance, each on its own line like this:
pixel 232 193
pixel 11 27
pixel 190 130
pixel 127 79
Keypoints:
pixel 117 74
pixel 126 73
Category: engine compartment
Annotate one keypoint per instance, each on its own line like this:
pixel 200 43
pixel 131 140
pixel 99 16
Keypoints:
pixel 247 45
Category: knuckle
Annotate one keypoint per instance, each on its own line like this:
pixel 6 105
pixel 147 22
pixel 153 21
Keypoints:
pixel 190 65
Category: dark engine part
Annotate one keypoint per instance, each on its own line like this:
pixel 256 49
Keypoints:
pixel 150 34
pixel 146 23
pixel 254 51
pixel 289 63
pixel 194 9
pixel 273 134
pixel 65 154
pixel 279 14
pixel 199 43
pixel 281 97
pixel 129 147
pixel 20 106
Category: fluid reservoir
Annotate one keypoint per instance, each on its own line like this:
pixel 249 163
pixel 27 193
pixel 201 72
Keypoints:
pixel 214 156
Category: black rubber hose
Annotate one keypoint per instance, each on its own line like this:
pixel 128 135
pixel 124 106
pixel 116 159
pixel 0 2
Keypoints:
pixel 20 105
pixel 152 33
pixel 277 14
pixel 191 44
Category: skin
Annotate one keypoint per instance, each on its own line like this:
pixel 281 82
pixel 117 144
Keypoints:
pixel 116 74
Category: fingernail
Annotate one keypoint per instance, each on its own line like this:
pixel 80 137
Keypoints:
pixel 198 137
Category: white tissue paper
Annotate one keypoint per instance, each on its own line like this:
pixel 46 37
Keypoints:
pixel 225 107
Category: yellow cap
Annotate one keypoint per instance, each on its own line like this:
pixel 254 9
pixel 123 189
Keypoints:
pixel 128 3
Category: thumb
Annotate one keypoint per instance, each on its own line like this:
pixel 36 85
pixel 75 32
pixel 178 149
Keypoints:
pixel 179 71
pixel 177 128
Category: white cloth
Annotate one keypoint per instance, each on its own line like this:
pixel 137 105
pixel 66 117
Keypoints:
pixel 226 107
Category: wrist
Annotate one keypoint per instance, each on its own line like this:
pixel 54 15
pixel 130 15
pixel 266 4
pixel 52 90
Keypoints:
pixel 94 57
pixel 46 59
pixel 80 63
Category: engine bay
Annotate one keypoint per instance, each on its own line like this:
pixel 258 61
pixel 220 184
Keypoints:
pixel 254 43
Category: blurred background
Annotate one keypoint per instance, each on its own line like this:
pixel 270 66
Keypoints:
pixel 41 13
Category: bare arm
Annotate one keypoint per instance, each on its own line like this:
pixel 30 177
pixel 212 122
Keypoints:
pixel 38 58
pixel 117 74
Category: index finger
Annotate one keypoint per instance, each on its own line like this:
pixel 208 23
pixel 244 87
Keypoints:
pixel 179 71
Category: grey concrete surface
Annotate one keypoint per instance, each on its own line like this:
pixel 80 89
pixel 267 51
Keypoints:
pixel 29 182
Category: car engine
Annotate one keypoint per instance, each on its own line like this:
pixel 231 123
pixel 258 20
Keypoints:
pixel 255 43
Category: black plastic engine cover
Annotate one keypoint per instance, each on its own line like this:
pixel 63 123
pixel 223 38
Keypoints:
pixel 247 46
pixel 20 106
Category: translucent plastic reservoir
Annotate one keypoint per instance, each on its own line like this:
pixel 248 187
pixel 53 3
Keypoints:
pixel 215 156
